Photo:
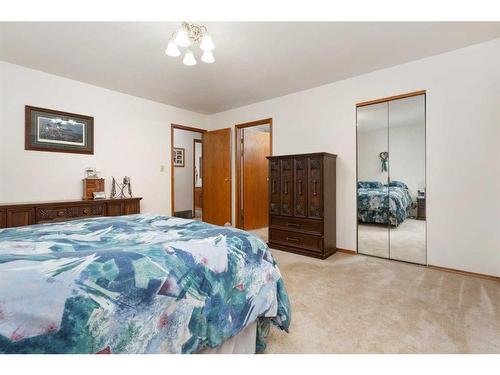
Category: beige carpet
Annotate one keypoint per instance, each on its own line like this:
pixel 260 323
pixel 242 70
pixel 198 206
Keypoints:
pixel 360 304
pixel 407 241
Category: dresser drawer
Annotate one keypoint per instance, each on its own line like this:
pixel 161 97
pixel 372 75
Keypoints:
pixel 295 239
pixel 297 224
pixel 62 213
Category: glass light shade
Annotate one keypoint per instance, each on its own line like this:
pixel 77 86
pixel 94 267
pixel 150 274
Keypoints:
pixel 207 43
pixel 182 38
pixel 207 57
pixel 189 59
pixel 172 49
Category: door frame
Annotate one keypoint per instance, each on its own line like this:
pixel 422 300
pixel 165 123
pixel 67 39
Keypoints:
pixel 238 149
pixel 172 185
pixel 195 141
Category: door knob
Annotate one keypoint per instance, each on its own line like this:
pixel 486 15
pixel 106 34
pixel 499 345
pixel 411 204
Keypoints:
pixel 227 179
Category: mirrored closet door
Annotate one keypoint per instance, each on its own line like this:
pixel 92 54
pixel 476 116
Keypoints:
pixel 391 179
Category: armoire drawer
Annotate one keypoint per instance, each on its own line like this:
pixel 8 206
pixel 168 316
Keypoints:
pixel 295 239
pixel 297 224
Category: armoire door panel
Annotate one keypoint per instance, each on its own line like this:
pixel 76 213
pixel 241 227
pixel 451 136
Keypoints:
pixel 300 189
pixel 274 187
pixel 315 193
pixel 286 173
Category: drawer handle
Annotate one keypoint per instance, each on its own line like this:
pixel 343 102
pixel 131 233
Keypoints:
pixel 286 187
pixel 293 225
pixel 315 183
pixel 60 213
pixel 300 187
pixel 293 239
pixel 274 187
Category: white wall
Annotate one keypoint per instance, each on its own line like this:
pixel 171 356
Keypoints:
pixel 463 143
pixel 131 137
pixel 183 176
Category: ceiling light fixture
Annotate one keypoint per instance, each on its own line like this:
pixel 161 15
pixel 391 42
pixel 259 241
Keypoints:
pixel 188 35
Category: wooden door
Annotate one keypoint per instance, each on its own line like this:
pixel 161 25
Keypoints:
pixel 286 174
pixel 217 176
pixel 274 186
pixel 315 193
pixel 300 189
pixel 256 146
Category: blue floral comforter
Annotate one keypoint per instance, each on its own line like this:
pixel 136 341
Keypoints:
pixel 384 205
pixel 134 284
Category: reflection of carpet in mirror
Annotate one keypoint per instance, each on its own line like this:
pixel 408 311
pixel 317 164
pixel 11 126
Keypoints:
pixel 407 240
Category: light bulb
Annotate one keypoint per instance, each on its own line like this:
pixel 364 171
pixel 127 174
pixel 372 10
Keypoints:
pixel 172 49
pixel 207 57
pixel 189 59
pixel 182 38
pixel 207 43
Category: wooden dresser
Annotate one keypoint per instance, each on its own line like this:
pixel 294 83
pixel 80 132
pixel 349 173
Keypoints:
pixel 19 214
pixel 302 211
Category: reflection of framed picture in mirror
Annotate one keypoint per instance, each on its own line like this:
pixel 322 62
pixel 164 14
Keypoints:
pixel 178 156
pixel 56 131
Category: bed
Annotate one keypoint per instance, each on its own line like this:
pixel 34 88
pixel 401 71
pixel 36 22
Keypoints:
pixel 136 284
pixel 383 204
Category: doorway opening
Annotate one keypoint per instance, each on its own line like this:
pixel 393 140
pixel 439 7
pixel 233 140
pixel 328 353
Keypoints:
pixel 253 145
pixel 186 171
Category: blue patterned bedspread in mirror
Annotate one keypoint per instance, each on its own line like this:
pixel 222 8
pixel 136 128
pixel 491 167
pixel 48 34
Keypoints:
pixel 384 205
pixel 134 284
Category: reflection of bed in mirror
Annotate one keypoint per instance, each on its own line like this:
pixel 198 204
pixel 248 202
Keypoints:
pixel 383 204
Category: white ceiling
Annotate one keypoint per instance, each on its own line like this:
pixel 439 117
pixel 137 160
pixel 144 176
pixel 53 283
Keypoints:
pixel 254 60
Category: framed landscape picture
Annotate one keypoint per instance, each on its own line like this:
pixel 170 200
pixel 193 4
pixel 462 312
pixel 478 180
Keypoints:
pixel 178 157
pixel 56 131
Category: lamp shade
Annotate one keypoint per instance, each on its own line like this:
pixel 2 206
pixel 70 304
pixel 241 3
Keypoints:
pixel 182 38
pixel 207 43
pixel 207 57
pixel 189 59
pixel 172 49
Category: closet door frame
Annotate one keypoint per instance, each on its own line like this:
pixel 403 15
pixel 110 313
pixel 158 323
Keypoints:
pixel 385 100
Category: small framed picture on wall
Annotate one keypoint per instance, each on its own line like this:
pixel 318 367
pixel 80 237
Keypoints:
pixel 178 157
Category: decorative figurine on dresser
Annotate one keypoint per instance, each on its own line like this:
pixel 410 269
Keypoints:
pixel 125 188
pixel 302 204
